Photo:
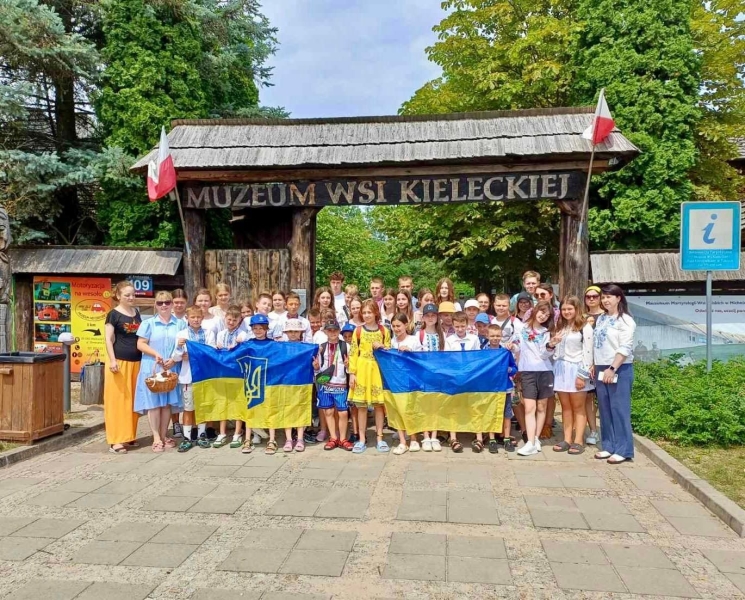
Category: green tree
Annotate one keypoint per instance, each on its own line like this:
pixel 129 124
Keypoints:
pixel 47 150
pixel 642 52
pixel 167 59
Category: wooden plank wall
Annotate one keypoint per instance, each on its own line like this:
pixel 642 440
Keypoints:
pixel 248 272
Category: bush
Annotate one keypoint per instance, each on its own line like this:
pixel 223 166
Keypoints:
pixel 687 405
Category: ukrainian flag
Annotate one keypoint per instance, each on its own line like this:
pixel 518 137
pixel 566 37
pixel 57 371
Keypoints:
pixel 267 384
pixel 446 391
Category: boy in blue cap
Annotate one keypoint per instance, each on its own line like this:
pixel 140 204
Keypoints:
pixel 482 327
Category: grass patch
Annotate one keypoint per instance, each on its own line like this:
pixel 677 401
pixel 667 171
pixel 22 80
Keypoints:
pixel 5 446
pixel 724 468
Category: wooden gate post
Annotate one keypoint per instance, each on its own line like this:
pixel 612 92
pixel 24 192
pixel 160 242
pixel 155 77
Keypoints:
pixel 196 230
pixel 302 250
pixel 574 258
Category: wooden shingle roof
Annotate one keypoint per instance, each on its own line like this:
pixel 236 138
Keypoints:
pixel 389 140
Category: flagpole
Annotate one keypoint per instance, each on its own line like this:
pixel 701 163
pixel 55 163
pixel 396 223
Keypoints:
pixel 183 221
pixel 585 200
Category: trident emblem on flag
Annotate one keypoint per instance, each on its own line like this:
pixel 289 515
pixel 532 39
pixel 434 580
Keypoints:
pixel 254 379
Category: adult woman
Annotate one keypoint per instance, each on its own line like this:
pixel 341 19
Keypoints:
pixel 404 306
pixel 614 375
pixel 445 292
pixel 157 339
pixel 122 323
pixel 592 311
pixel 523 305
pixel 572 364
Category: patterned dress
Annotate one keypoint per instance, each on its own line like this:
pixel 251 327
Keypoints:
pixel 362 364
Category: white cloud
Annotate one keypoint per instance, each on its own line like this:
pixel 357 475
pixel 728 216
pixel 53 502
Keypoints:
pixel 347 58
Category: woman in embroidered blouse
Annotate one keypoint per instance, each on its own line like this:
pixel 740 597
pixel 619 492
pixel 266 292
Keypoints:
pixel 156 341
pixel 614 375
pixel 122 324
pixel 572 364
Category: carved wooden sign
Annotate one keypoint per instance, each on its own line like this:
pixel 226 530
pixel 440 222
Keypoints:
pixel 566 185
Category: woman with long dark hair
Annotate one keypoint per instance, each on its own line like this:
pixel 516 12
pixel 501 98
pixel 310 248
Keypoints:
pixel 614 375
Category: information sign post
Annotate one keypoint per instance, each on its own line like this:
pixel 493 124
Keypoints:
pixel 709 241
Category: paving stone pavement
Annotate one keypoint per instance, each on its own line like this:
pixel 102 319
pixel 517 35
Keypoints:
pixel 84 524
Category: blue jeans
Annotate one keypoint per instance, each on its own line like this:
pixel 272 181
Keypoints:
pixel 614 403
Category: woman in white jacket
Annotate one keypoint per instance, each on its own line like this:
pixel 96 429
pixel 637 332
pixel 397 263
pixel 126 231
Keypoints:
pixel 572 368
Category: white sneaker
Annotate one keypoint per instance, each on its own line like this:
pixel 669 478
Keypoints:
pixel 537 445
pixel 436 445
pixel 400 449
pixel 414 446
pixel 427 445
pixel 592 439
pixel 603 454
pixel 256 438
pixel 261 433
pixel 527 449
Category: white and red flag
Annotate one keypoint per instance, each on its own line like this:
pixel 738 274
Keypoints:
pixel 161 176
pixel 602 124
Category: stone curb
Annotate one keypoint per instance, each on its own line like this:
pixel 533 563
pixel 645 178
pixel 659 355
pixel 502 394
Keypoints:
pixel 58 442
pixel 724 508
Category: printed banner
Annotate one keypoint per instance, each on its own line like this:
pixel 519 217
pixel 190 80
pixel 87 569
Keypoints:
pixel 76 305
pixel 264 383
pixel 446 391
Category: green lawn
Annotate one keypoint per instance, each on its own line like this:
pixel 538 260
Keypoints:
pixel 724 468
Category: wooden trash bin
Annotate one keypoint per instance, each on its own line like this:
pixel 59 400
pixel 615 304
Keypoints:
pixel 91 384
pixel 31 396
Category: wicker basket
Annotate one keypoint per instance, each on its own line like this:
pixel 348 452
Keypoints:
pixel 169 383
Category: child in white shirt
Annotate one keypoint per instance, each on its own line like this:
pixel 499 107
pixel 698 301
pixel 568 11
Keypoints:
pixel 461 341
pixel 403 342
pixel 228 339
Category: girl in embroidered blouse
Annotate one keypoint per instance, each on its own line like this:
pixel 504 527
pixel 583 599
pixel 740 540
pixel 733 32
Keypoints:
pixel 614 375
pixel 365 382
pixel 572 365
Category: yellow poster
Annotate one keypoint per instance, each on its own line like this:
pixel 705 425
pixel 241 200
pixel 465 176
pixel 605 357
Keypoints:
pixel 76 305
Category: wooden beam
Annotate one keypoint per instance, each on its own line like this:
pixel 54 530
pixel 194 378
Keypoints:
pixel 301 250
pixel 23 301
pixel 196 231
pixel 277 175
pixel 574 257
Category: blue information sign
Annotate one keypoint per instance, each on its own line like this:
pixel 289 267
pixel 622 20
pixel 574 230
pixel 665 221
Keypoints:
pixel 710 236
pixel 143 285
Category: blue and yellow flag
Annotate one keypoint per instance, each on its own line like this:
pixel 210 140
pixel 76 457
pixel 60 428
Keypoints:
pixel 264 383
pixel 446 391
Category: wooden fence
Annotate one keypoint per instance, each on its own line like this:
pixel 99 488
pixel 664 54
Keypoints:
pixel 248 272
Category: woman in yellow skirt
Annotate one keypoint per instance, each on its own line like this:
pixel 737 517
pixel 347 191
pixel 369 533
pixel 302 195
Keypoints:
pixel 122 324
pixel 365 383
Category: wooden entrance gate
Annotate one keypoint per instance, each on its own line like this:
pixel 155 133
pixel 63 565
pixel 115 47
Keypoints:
pixel 248 272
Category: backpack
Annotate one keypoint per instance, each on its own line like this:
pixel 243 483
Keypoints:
pixel 342 348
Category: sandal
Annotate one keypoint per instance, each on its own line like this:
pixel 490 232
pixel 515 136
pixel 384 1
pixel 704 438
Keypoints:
pixel 271 447
pixel 287 447
pixel 185 446
pixel 132 444
pixel 346 445
pixel 456 446
pixel 575 449
pixel 477 446
pixel 169 443
pixel 493 447
pixel 158 447
pixel 382 446
pixel 119 450
pixel 332 444
pixel 359 448
pixel 400 449
pixel 299 446
pixel 562 447
pixel 247 447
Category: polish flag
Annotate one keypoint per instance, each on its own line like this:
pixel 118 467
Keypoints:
pixel 602 124
pixel 161 176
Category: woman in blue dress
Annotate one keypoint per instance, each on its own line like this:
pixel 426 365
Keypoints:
pixel 156 339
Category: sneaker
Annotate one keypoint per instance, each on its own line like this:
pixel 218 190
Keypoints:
pixel 309 437
pixel 509 445
pixel 538 445
pixel 592 439
pixel 237 442
pixel 354 438
pixel 427 445
pixel 203 442
pixel 527 449
pixel 255 439
pixel 414 446
pixel 436 446
pixel 211 434
pixel 493 446
pixel 178 430
pixel 400 449
pixel 322 435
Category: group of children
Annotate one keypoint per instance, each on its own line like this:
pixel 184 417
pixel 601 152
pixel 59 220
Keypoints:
pixel 347 330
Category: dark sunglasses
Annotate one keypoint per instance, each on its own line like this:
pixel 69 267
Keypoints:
pixel 592 296
pixel 163 303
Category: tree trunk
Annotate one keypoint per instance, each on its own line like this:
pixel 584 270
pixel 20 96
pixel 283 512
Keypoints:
pixel 574 256
pixel 302 250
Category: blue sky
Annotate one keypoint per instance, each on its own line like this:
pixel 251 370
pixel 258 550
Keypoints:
pixel 342 58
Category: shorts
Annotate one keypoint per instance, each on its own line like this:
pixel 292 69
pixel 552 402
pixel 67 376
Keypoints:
pixel 508 412
pixel 537 385
pixel 332 396
pixel 187 393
